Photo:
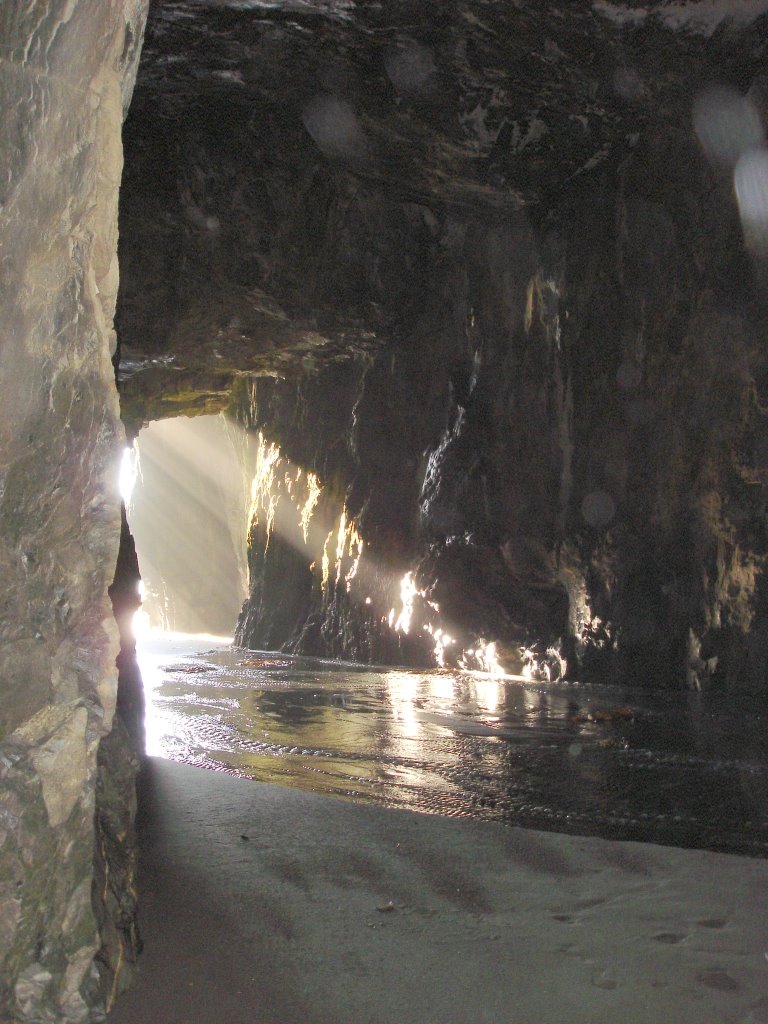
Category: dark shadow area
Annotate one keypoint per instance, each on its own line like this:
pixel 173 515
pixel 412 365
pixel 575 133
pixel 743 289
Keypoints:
pixel 262 905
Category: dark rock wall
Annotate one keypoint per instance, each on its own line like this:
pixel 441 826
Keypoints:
pixel 665 340
pixel 566 441
pixel 447 450
pixel 66 74
pixel 480 269
pixel 483 276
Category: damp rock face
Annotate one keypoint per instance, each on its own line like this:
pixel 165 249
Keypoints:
pixel 564 450
pixel 497 278
pixel 66 75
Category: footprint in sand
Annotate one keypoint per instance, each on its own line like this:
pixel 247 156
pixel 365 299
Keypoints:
pixel 716 978
pixel 578 907
pixel 670 938
pixel 605 979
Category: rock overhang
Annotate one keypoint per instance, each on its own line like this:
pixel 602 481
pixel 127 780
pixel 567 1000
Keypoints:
pixel 502 102
pixel 505 212
pixel 465 111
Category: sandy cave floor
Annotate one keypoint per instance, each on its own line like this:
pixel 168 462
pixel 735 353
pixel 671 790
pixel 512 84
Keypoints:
pixel 266 905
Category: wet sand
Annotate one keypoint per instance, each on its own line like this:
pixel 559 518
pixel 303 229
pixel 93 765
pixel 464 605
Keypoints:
pixel 680 769
pixel 264 905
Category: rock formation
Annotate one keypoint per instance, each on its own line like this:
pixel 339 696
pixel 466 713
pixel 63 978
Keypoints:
pixel 485 283
pixel 66 73
pixel 495 275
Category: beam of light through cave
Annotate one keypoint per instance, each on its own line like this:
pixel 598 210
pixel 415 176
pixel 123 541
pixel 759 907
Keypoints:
pixel 204 488
pixel 286 501
pixel 186 514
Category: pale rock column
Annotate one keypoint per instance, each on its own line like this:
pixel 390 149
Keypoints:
pixel 67 69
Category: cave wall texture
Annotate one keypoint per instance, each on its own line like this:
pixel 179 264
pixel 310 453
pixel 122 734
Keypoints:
pixel 484 270
pixel 67 69
pixel 492 276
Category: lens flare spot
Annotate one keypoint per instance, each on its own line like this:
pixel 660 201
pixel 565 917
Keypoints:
pixel 750 181
pixel 727 125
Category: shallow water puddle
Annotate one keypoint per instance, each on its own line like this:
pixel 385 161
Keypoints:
pixel 676 768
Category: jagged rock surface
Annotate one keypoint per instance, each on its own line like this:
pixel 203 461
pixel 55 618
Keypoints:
pixel 494 275
pixel 478 266
pixel 542 380
pixel 66 74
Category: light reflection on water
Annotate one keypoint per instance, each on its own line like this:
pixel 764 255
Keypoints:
pixel 659 766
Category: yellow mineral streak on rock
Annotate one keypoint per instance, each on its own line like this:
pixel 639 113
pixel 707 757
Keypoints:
pixel 264 496
pixel 314 490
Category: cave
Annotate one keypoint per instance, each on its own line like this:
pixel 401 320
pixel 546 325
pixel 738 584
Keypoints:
pixel 481 288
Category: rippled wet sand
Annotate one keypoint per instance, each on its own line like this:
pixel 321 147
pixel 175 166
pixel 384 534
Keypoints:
pixel 673 768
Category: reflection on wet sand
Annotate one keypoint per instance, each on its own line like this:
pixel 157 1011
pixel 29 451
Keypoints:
pixel 666 767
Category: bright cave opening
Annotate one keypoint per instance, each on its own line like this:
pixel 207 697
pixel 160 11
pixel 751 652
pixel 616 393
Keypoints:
pixel 187 510
pixel 206 499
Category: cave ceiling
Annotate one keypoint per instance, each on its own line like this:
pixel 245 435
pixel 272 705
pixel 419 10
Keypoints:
pixel 291 167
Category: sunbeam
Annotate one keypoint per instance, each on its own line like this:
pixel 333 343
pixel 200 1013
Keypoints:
pixel 187 513
pixel 203 492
